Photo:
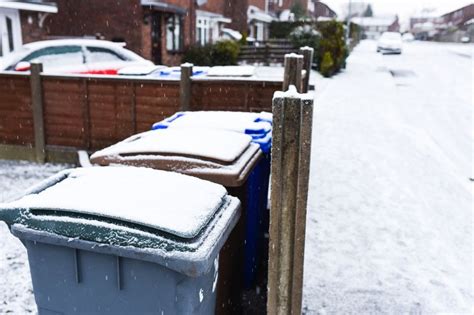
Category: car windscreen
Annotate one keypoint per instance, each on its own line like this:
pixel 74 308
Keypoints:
pixel 57 56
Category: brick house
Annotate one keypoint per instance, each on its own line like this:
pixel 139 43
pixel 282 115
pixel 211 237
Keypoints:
pixel 318 10
pixel 22 22
pixel 457 24
pixel 451 26
pixel 157 30
pixel 313 9
pixel 250 17
pixel 373 27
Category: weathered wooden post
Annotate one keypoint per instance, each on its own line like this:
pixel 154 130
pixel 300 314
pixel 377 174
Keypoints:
pixel 291 152
pixel 292 74
pixel 37 108
pixel 267 54
pixel 185 86
pixel 307 53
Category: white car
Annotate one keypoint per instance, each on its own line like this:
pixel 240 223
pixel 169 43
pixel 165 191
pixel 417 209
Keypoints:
pixel 82 56
pixel 390 42
pixel 408 37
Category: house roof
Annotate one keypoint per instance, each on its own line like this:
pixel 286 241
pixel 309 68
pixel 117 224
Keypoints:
pixel 374 21
pixel 30 5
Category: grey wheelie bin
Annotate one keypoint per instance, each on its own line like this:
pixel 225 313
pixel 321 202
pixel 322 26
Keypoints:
pixel 123 240
pixel 224 157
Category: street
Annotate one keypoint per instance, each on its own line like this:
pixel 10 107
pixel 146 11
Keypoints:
pixel 390 217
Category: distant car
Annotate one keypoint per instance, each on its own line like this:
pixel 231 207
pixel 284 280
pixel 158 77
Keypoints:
pixel 408 37
pixel 465 39
pixel 390 42
pixel 81 56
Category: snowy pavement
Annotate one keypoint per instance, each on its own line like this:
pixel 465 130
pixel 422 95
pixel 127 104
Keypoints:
pixel 390 210
pixel 16 292
pixel 390 216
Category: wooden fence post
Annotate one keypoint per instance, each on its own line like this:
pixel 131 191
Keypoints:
pixel 307 53
pixel 292 75
pixel 185 86
pixel 291 153
pixel 267 54
pixel 37 108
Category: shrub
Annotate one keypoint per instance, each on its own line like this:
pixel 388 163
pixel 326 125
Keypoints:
pixel 305 35
pixel 225 52
pixel 329 39
pixel 283 29
pixel 332 42
pixel 327 65
pixel 199 55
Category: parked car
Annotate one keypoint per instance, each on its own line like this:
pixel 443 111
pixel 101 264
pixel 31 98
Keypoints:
pixel 390 42
pixel 83 56
pixel 408 37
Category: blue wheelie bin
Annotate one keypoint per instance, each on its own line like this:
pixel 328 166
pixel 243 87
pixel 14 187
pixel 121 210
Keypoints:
pixel 223 157
pixel 256 125
pixel 123 240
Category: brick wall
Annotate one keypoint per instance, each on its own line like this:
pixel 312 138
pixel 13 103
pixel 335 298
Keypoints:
pixel 237 11
pixel 118 19
pixel 30 26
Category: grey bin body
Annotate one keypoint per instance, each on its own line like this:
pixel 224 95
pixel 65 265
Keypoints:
pixel 239 173
pixel 69 280
pixel 83 268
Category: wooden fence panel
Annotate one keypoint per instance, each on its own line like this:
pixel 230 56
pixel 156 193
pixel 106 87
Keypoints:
pixel 233 95
pixel 63 105
pixel 155 101
pixel 16 117
pixel 110 113
pixel 91 113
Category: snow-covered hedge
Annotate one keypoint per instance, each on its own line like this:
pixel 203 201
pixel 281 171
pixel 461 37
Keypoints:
pixel 222 53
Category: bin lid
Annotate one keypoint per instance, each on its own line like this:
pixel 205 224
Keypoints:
pixel 243 122
pixel 221 146
pixel 169 202
pixel 223 157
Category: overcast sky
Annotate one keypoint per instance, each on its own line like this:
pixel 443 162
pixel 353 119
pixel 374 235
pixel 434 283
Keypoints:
pixel 404 8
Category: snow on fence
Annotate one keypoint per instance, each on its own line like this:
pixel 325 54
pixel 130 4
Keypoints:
pixel 92 112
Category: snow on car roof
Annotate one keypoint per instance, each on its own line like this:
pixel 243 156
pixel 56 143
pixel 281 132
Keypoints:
pixel 72 41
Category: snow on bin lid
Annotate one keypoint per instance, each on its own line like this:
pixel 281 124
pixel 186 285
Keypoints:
pixel 234 121
pixel 177 204
pixel 231 71
pixel 218 145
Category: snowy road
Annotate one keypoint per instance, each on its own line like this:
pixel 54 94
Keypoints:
pixel 390 219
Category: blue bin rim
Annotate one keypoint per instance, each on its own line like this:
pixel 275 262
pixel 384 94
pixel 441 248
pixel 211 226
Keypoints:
pixel 165 123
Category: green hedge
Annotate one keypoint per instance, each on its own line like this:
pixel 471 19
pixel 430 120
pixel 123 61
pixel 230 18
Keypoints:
pixel 222 53
pixel 330 50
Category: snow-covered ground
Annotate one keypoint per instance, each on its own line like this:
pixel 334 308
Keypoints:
pixel 390 210
pixel 390 225
pixel 16 295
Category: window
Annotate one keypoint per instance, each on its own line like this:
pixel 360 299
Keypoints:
pixel 203 30
pixel 10 32
pixel 100 54
pixel 174 33
pixel 58 56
